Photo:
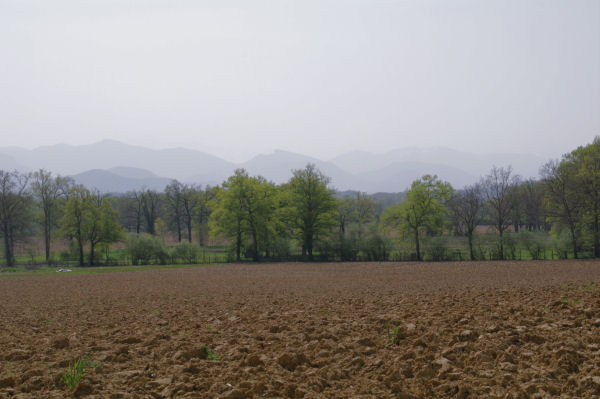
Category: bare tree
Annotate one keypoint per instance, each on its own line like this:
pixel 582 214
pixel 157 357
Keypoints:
pixel 497 187
pixel 466 211
pixel 150 201
pixel 138 210
pixel 534 204
pixel 190 197
pixel 49 190
pixel 15 207
pixel 203 211
pixel 174 205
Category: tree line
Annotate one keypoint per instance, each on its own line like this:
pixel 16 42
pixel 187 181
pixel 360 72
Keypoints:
pixel 260 220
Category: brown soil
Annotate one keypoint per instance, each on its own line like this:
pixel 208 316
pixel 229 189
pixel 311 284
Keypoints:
pixel 492 329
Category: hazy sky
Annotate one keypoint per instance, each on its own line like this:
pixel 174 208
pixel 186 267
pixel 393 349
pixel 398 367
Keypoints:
pixel 235 78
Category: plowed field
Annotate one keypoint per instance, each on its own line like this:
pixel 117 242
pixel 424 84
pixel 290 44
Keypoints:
pixel 357 330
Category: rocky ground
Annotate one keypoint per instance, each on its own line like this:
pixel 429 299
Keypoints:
pixel 353 330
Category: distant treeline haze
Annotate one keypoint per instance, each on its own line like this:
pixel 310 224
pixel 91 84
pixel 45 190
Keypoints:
pixel 303 219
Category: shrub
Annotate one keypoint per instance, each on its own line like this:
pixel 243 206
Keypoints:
pixel 436 249
pixel 533 244
pixel 377 247
pixel 186 252
pixel 323 250
pixel 562 243
pixel 510 246
pixel 143 248
pixel 280 247
pixel 347 247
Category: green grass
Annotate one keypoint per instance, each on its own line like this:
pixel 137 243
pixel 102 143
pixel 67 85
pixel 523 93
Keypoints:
pixel 22 271
pixel 569 301
pixel 394 335
pixel 75 371
pixel 209 355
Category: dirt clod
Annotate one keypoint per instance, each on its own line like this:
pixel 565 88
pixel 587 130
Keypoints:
pixel 290 361
pixel 60 342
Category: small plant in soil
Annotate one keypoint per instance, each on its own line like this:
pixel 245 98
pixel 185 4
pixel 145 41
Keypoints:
pixel 75 371
pixel 568 301
pixel 209 355
pixel 394 335
pixel 590 286
pixel 51 371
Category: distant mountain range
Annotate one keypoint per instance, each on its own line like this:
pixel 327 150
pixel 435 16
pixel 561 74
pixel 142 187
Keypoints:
pixel 112 166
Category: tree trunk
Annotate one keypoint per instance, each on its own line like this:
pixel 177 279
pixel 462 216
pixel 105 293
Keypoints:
pixel 81 260
pixel 47 235
pixel 470 236
pixel 417 245
pixel 189 229
pixel 501 254
pixel 238 243
pixel 254 247
pixel 254 244
pixel 574 242
pixel 8 248
pixel 47 244
pixel 92 247
pixel 596 237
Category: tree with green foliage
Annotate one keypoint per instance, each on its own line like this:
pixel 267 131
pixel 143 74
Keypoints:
pixel 50 192
pixel 15 210
pixel 310 207
pixel 563 198
pixel 227 218
pixel 586 160
pixel 243 208
pixel 345 213
pixel 91 220
pixel 365 211
pixel 423 209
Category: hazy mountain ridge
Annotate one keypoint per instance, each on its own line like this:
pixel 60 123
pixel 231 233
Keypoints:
pixel 109 182
pixel 8 162
pixel 473 164
pixel 113 166
pixel 65 159
pixel 402 174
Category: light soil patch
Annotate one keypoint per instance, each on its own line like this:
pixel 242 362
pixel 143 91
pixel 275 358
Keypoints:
pixel 354 330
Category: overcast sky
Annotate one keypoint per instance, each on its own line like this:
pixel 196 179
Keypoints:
pixel 236 78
